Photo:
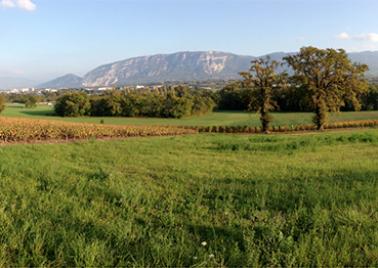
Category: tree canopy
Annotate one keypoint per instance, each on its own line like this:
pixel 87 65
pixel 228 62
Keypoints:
pixel 170 102
pixel 262 79
pixel 329 78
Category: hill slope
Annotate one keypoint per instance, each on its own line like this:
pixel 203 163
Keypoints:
pixel 181 66
pixel 66 81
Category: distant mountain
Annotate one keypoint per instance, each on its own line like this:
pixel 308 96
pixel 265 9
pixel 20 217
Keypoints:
pixel 181 66
pixel 15 82
pixel 367 57
pixel 66 81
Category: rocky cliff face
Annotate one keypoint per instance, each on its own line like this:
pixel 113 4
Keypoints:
pixel 182 66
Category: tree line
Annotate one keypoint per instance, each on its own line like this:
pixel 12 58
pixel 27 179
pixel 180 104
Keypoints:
pixel 234 97
pixel 166 102
pixel 29 100
pixel 319 80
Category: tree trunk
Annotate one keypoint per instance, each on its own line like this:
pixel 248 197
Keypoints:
pixel 321 115
pixel 265 120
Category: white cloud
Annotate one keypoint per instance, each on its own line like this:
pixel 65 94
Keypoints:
pixel 27 5
pixel 370 37
pixel 373 37
pixel 343 36
pixel 7 3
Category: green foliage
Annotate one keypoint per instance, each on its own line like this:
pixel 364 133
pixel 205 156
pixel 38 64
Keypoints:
pixel 169 102
pixel 234 97
pixel 262 80
pixel 2 103
pixel 44 96
pixel 370 98
pixel 330 79
pixel 108 105
pixel 292 98
pixel 178 103
pixel 73 104
pixel 288 99
pixel 31 101
pixel 257 201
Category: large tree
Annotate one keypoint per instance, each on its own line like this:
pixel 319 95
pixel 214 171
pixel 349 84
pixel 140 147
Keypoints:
pixel 329 78
pixel 261 80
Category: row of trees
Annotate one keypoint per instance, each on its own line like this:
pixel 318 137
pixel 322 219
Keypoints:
pixel 326 78
pixel 168 102
pixel 287 99
pixel 29 100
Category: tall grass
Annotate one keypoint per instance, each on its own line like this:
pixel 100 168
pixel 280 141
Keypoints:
pixel 204 200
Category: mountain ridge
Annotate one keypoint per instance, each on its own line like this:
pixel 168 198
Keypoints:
pixel 182 66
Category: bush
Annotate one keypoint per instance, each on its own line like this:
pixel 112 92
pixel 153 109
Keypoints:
pixel 169 102
pixel 73 104
pixel 177 104
pixel 31 101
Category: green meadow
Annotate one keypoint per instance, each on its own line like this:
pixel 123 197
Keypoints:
pixel 206 200
pixel 212 119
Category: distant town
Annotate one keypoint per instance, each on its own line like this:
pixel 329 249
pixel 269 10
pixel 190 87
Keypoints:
pixel 209 85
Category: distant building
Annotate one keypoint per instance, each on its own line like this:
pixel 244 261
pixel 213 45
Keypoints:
pixel 50 90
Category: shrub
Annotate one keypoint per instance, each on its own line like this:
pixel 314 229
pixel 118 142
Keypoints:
pixel 73 104
pixel 177 104
pixel 31 101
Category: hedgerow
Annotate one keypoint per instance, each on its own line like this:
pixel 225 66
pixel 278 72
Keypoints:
pixel 308 127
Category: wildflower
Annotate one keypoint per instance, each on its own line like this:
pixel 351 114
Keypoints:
pixel 204 243
pixel 195 258
pixel 211 256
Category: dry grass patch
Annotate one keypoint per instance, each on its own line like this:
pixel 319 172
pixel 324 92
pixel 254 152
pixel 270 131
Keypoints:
pixel 28 130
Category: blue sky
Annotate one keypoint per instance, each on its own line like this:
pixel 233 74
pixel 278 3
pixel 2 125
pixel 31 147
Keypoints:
pixel 40 39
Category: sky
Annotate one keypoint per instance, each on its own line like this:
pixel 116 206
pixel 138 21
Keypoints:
pixel 42 39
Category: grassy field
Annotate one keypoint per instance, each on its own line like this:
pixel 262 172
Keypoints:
pixel 202 200
pixel 216 118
